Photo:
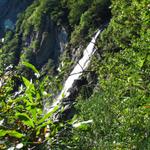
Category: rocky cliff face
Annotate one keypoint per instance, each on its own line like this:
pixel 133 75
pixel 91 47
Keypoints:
pixel 25 41
pixel 37 31
pixel 51 41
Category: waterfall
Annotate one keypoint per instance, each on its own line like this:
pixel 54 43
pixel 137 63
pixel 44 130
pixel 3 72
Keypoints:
pixel 78 70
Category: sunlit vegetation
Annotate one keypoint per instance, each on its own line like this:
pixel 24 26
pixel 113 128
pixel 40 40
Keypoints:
pixel 120 106
pixel 116 116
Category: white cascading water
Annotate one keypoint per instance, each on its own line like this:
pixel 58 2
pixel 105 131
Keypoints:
pixel 76 72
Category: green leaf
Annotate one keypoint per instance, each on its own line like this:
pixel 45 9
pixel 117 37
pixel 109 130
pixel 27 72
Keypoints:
pixel 3 133
pixel 25 119
pixel 42 126
pixel 28 65
pixel 83 127
pixel 46 116
pixel 140 62
pixel 15 134
pixel 12 133
pixel 30 88
pixel 34 113
pixel 28 84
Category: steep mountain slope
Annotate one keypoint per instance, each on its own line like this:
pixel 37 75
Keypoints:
pixel 43 29
pixel 108 106
pixel 119 107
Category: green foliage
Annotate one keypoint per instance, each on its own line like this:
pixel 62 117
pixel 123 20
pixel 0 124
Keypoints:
pixel 120 106
pixel 11 133
pixel 118 109
pixel 28 65
pixel 33 18
pixel 77 8
pixel 90 17
pixel 9 53
pixel 22 117
pixel 80 18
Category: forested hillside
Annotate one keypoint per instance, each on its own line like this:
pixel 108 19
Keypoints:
pixel 41 42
